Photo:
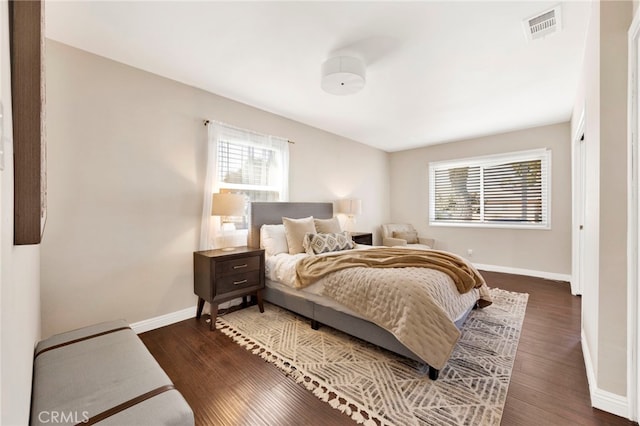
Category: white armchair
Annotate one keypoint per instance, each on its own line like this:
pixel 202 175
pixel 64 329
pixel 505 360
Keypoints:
pixel 404 234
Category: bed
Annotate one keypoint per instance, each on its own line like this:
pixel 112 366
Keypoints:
pixel 312 303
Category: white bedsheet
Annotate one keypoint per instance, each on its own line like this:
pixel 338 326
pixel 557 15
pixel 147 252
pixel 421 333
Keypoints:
pixel 282 266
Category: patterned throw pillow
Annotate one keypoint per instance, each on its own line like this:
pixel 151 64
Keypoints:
pixel 324 243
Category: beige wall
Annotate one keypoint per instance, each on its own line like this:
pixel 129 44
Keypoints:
pixel 126 173
pixel 615 20
pixel 602 97
pixel 19 276
pixel 538 250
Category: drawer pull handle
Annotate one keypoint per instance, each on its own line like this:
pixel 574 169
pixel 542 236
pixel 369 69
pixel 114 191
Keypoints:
pixel 239 282
pixel 240 266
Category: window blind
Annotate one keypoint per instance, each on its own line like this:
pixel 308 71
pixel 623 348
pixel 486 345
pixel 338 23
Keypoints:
pixel 457 193
pixel 513 192
pixel 251 170
pixel 246 165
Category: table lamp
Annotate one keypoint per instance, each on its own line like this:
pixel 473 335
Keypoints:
pixel 227 204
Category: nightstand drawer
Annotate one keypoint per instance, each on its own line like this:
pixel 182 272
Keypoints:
pixel 236 266
pixel 238 281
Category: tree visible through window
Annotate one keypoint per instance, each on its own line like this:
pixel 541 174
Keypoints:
pixel 506 190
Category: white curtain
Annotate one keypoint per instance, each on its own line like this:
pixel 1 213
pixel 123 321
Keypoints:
pixel 281 146
pixel 207 231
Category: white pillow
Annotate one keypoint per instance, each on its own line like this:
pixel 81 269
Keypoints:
pixel 295 230
pixel 273 240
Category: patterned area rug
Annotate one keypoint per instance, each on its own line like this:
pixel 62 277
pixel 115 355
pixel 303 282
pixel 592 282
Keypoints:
pixel 377 387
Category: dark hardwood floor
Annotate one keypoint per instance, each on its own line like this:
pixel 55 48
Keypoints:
pixel 227 385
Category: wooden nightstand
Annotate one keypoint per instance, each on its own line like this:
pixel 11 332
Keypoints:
pixel 219 276
pixel 362 238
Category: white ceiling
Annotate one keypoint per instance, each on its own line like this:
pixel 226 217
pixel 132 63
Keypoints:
pixel 436 71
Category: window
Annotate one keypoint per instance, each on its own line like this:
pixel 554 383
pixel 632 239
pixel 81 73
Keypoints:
pixel 510 190
pixel 251 164
pixel 251 170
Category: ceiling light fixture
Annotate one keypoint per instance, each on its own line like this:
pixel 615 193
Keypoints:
pixel 343 75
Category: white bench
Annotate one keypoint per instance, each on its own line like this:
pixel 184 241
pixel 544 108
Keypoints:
pixel 102 373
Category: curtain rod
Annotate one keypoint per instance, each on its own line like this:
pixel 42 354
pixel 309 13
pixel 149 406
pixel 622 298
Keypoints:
pixel 206 123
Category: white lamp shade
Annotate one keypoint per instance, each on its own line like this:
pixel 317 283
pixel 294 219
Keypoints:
pixel 343 75
pixel 350 206
pixel 227 205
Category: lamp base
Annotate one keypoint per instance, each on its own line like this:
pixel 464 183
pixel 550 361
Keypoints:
pixel 227 227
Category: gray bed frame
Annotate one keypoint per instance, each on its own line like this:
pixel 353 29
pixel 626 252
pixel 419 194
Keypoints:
pixel 272 214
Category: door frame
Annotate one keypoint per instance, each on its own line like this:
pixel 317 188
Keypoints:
pixel 578 166
pixel 633 228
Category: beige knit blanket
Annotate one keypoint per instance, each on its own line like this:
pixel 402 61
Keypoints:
pixel 464 275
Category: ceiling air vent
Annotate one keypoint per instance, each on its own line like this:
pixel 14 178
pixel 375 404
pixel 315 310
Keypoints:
pixel 543 24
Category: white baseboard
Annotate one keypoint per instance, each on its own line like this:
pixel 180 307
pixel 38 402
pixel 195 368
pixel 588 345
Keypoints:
pixel 602 399
pixel 610 402
pixel 177 316
pixel 163 320
pixel 528 272
pixel 588 364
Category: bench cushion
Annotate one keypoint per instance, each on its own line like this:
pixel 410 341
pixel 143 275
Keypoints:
pixel 85 378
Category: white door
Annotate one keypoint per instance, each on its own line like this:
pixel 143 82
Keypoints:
pixel 579 199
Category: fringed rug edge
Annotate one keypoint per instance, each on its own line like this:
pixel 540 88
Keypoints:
pixel 317 386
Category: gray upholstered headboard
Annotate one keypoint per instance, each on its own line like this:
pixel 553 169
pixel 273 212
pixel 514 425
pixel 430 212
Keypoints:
pixel 272 214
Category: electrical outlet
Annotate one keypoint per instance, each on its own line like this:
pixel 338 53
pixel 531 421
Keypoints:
pixel 470 252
